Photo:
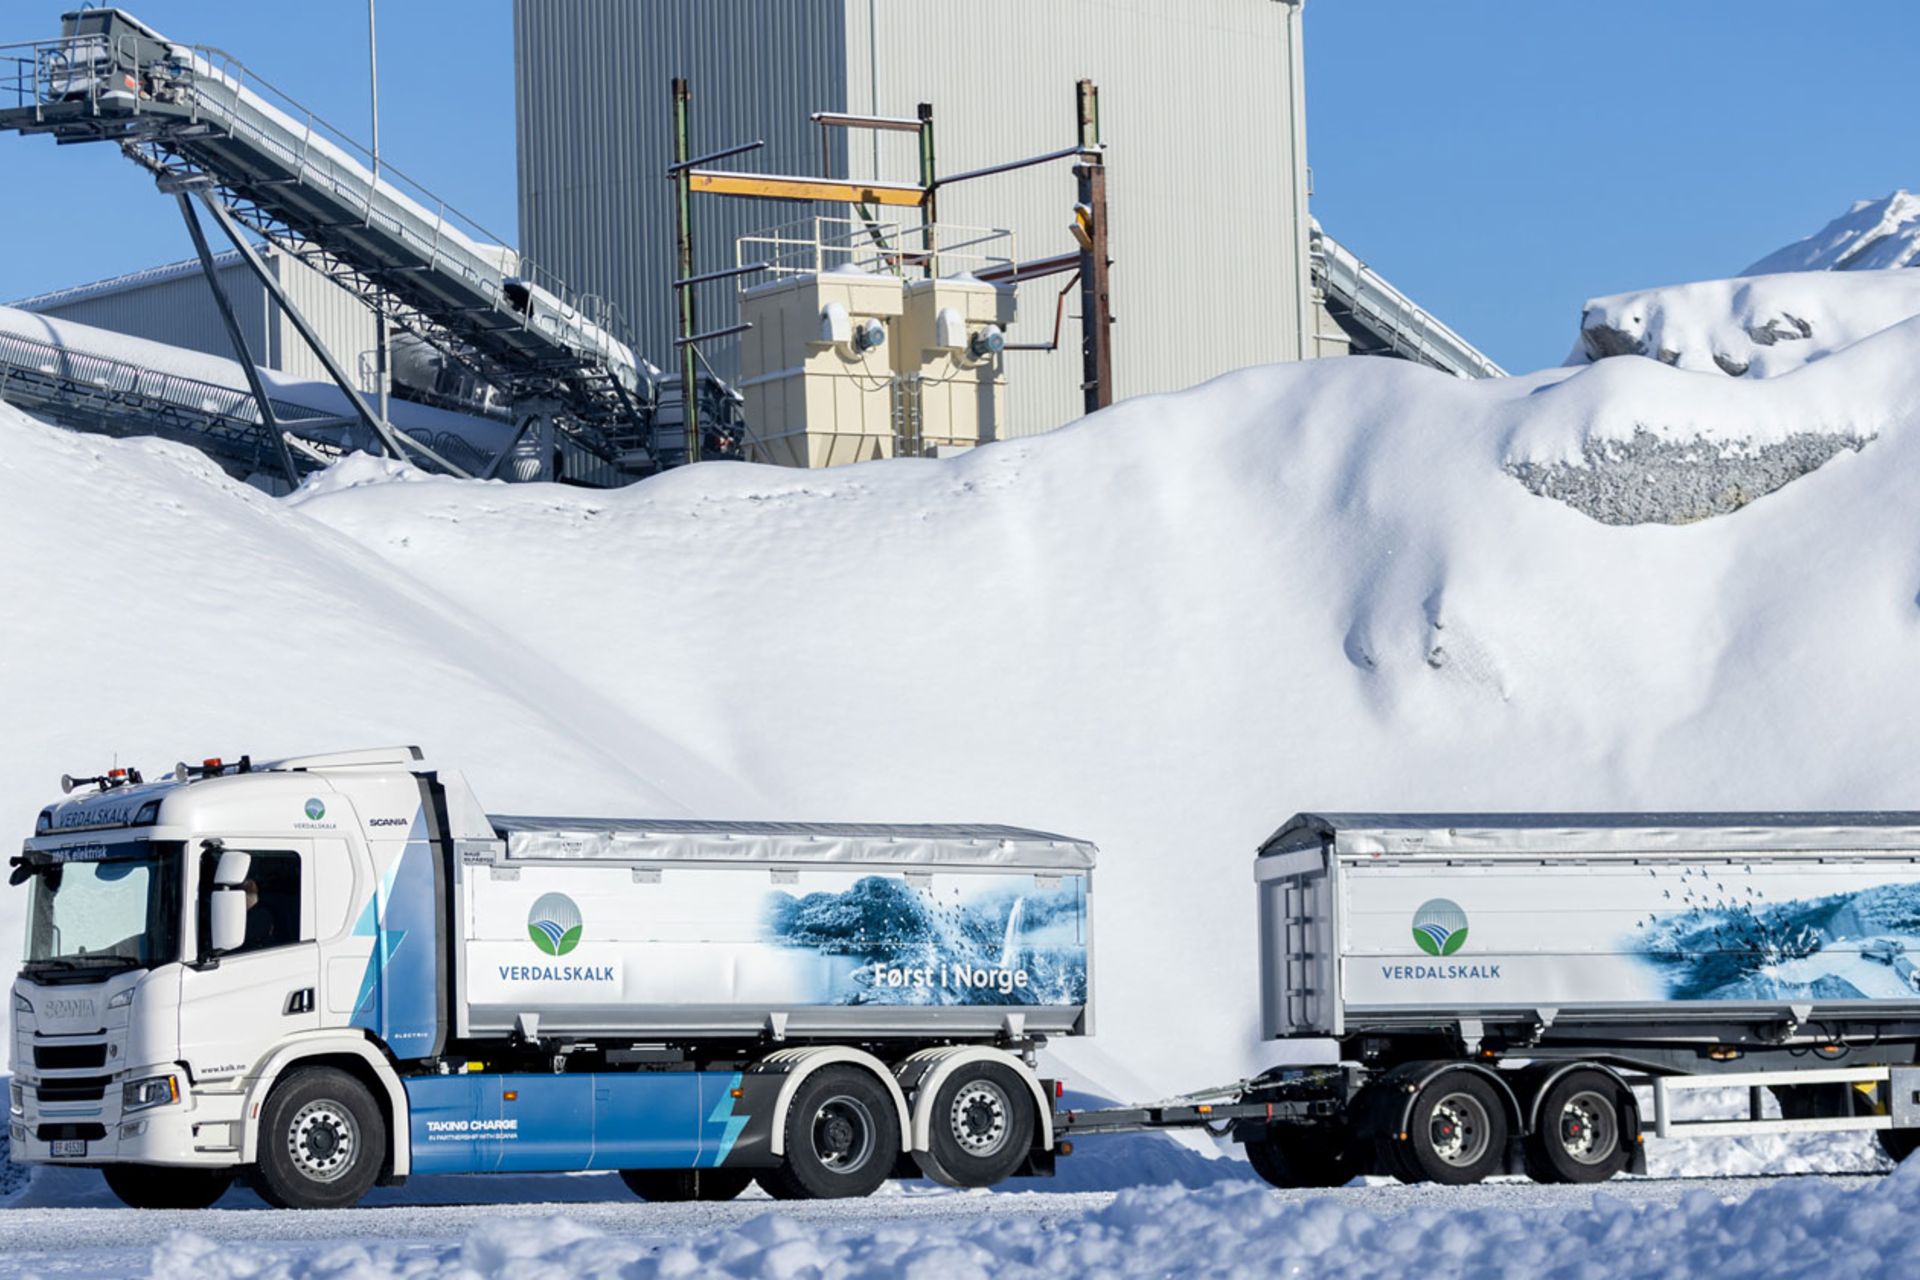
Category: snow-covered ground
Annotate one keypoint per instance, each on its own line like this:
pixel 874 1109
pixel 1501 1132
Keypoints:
pixel 1347 585
pixel 1850 1227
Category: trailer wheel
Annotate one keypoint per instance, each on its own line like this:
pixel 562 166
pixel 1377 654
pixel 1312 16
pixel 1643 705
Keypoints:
pixel 1301 1159
pixel 322 1141
pixel 1581 1134
pixel 842 1138
pixel 1457 1131
pixel 982 1127
pixel 151 1186
pixel 667 1185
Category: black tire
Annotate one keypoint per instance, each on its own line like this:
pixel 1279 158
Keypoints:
pixel 670 1185
pixel 842 1137
pixel 1457 1132
pixel 1580 1133
pixel 982 1126
pixel 322 1141
pixel 152 1186
pixel 1898 1143
pixel 1292 1160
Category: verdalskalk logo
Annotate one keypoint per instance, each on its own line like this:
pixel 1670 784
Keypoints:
pixel 316 810
pixel 554 924
pixel 1439 927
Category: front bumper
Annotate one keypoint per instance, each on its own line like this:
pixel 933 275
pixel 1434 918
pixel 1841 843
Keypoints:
pixel 202 1129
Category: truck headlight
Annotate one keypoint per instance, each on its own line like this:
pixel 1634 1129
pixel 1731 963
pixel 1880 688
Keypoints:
pixel 122 1000
pixel 154 1091
pixel 16 1098
pixel 21 1004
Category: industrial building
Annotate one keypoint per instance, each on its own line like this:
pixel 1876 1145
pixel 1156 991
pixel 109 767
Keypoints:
pixel 172 304
pixel 1207 185
pixel 1217 262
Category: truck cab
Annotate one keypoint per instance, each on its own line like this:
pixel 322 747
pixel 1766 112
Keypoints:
pixel 185 936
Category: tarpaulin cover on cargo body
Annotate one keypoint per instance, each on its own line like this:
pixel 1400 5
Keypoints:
pixel 649 840
pixel 1412 834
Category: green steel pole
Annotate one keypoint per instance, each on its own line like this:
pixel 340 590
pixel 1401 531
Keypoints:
pixel 927 205
pixel 683 192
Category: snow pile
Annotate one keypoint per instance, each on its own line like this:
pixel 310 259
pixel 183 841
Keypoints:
pixel 1754 326
pixel 1174 1231
pixel 1873 234
pixel 1164 629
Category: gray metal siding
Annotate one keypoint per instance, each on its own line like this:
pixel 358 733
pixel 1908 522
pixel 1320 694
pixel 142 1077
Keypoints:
pixel 1200 111
pixel 179 312
pixel 1207 166
pixel 343 321
pixel 593 101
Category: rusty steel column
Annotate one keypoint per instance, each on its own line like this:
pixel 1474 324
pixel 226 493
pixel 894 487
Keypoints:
pixel 1096 309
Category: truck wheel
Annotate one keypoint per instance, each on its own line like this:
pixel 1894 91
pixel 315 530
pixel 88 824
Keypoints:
pixel 665 1185
pixel 842 1138
pixel 1301 1159
pixel 1582 1130
pixel 1457 1133
pixel 1898 1143
pixel 982 1126
pixel 322 1141
pixel 152 1186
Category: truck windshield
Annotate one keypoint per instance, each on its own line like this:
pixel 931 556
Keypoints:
pixel 109 908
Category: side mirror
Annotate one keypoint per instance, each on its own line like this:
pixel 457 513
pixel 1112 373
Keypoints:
pixel 231 871
pixel 227 919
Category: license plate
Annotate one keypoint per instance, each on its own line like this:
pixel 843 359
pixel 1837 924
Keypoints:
pixel 69 1147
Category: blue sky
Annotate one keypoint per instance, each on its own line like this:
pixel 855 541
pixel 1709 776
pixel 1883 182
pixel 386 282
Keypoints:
pixel 1500 160
pixel 1504 160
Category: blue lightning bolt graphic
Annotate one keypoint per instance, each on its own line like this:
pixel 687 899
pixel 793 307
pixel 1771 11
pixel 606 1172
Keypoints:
pixel 387 941
pixel 723 1114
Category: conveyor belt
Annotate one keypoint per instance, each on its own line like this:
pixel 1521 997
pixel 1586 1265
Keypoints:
pixel 197 118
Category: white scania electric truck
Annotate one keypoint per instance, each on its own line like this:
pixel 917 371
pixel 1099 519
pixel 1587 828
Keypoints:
pixel 328 972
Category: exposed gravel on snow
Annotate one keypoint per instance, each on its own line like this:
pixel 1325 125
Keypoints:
pixel 1727 1228
pixel 1649 479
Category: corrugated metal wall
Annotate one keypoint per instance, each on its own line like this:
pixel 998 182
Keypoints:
pixel 1199 106
pixel 593 94
pixel 178 311
pixel 342 320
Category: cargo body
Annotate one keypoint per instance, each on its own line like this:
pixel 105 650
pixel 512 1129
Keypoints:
pixel 334 970
pixel 1530 993
pixel 1628 926
pixel 696 930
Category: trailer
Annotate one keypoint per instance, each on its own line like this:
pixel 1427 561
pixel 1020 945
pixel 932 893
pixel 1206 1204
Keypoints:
pixel 332 971
pixel 1489 993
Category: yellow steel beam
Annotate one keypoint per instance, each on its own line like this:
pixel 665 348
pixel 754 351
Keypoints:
pixel 766 186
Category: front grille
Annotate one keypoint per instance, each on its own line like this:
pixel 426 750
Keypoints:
pixel 68 1132
pixel 69 1057
pixel 74 1089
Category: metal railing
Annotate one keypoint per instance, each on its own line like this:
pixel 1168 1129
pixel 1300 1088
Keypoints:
pixel 1402 323
pixel 200 85
pixel 815 245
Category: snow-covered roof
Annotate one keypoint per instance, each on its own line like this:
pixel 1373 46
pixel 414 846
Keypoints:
pixel 660 840
pixel 1455 833
pixel 124 283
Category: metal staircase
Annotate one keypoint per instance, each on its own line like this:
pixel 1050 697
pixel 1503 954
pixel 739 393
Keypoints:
pixel 202 123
